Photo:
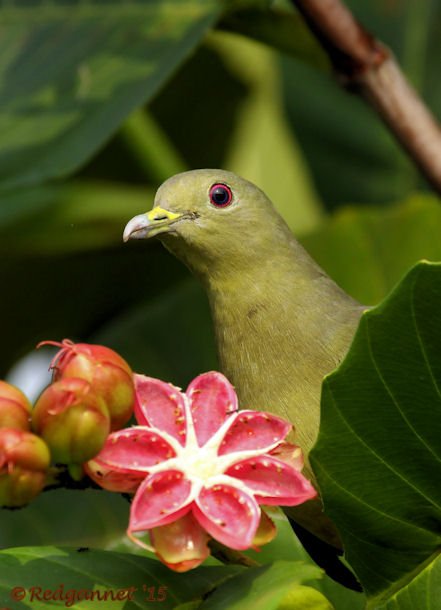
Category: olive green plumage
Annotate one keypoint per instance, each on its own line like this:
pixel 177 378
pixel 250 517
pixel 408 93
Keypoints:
pixel 281 324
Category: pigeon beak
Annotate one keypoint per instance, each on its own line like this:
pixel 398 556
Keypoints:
pixel 150 224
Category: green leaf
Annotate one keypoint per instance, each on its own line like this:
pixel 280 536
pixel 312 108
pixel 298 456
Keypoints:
pixel 286 546
pixel 70 73
pixel 71 217
pixel 151 147
pixel 424 591
pixel 260 588
pixel 341 597
pixel 150 583
pixel 304 598
pixel 66 517
pixel 281 28
pixel 367 249
pixel 378 455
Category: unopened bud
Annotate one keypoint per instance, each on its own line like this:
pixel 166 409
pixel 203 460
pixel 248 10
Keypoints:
pixel 181 545
pixel 15 408
pixel 108 373
pixel 24 460
pixel 266 531
pixel 72 419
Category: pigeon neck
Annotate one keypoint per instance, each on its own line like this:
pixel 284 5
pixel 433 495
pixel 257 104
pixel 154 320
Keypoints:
pixel 284 298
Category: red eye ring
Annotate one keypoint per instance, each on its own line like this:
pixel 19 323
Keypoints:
pixel 220 195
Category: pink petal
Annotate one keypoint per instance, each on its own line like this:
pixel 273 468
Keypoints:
pixel 212 399
pixel 134 449
pixel 252 430
pixel 290 454
pixel 228 514
pixel 181 545
pixel 273 481
pixel 161 499
pixel 161 406
pixel 113 480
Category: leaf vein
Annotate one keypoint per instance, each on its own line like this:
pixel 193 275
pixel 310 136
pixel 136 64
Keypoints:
pixel 408 524
pixel 420 342
pixel 395 402
pixel 377 456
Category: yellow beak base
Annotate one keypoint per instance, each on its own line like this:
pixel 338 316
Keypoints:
pixel 143 226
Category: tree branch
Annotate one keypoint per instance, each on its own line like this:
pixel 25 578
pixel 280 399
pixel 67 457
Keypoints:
pixel 365 65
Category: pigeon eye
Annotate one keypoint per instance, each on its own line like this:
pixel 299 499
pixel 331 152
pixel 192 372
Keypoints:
pixel 221 195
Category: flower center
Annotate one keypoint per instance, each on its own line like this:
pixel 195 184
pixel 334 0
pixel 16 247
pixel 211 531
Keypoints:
pixel 200 463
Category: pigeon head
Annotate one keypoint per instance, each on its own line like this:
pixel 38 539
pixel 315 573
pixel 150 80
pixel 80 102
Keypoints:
pixel 210 219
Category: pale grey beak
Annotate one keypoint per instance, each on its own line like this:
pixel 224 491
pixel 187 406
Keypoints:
pixel 150 224
pixel 137 227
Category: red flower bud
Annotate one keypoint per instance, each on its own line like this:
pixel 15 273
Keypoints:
pixel 15 408
pixel 72 419
pixel 181 545
pixel 265 532
pixel 24 460
pixel 108 373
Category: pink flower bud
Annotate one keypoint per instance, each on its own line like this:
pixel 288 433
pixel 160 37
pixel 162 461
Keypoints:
pixel 108 373
pixel 24 460
pixel 15 408
pixel 72 419
pixel 265 532
pixel 181 545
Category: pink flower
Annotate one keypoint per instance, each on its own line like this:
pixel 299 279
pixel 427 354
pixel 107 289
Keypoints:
pixel 205 467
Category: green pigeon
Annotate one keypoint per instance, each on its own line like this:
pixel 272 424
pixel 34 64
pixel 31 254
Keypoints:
pixel 281 324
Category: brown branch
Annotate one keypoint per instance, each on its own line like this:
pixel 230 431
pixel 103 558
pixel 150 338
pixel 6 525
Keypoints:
pixel 366 66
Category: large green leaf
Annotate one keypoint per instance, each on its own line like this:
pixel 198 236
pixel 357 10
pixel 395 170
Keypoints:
pixel 98 519
pixel 83 518
pixel 70 72
pixel 378 456
pixel 69 217
pixel 51 569
pixel 286 546
pixel 368 249
pixel 424 591
pixel 278 26
pixel 262 588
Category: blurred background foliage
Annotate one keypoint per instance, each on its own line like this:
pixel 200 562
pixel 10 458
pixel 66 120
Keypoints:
pixel 103 100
